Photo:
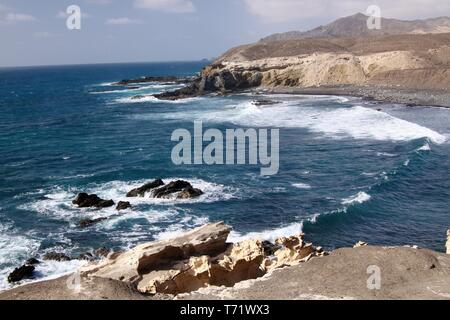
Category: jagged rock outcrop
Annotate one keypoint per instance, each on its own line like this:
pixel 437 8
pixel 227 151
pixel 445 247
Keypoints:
pixel 25 271
pixel 198 259
pixel 180 189
pixel 56 256
pixel 84 200
pixel 140 192
pixel 89 222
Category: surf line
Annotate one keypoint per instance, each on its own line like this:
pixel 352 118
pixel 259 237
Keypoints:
pixel 242 146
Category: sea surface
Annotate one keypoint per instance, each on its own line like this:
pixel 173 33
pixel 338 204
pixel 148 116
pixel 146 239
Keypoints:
pixel 348 171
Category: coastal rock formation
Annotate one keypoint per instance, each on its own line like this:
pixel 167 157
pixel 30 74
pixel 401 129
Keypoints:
pixel 84 200
pixel 140 192
pixel 20 273
pixel 198 259
pixel 168 79
pixel 189 193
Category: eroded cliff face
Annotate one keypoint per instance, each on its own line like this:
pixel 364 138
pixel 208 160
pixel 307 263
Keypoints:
pixel 392 68
pixel 198 259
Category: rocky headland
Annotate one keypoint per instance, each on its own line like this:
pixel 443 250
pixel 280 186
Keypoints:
pixel 408 62
pixel 201 264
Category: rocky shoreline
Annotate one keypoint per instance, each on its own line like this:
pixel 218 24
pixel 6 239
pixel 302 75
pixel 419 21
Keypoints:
pixel 201 264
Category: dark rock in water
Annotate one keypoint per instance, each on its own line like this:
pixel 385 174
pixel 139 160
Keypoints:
pixel 89 222
pixel 171 188
pixel 86 256
pixel 269 248
pixel 154 79
pixel 56 256
pixel 264 102
pixel 32 261
pixel 123 205
pixel 140 192
pixel 138 97
pixel 102 252
pixel 189 193
pixel 84 200
pixel 190 91
pixel 20 273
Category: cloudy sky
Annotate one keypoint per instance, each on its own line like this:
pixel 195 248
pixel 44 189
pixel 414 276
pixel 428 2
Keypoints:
pixel 35 32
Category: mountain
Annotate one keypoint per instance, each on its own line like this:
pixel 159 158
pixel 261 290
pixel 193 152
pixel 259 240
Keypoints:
pixel 356 26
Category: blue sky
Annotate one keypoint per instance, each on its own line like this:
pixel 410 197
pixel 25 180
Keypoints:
pixel 35 33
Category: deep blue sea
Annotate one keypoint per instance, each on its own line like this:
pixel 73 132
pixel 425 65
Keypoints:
pixel 348 172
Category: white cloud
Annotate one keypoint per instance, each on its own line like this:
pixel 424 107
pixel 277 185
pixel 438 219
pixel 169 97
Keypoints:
pixel 19 17
pixel 122 21
pixel 275 11
pixel 169 6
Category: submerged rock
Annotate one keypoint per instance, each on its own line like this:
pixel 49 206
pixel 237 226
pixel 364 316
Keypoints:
pixel 168 79
pixel 89 222
pixel 140 192
pixel 56 256
pixel 265 102
pixel 84 200
pixel 25 271
pixel 123 205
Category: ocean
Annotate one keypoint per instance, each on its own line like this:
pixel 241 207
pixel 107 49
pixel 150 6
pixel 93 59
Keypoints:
pixel 350 170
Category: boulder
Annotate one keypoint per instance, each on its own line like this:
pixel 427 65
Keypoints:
pixel 171 188
pixel 25 271
pixel 89 222
pixel 139 265
pixel 264 102
pixel 84 200
pixel 189 193
pixel 56 256
pixel 140 192
pixel 123 205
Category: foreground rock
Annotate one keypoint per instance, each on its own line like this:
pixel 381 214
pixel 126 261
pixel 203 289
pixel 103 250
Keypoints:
pixel 25 271
pixel 406 273
pixel 84 200
pixel 198 259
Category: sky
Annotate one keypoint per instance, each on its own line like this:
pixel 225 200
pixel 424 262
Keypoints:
pixel 35 32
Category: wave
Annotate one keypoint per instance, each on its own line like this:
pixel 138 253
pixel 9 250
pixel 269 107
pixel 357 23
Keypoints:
pixel 140 88
pixel 269 235
pixel 57 202
pixel 336 122
pixel 301 185
pixel 360 197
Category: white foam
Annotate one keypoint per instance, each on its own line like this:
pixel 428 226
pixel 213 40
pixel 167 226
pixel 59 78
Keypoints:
pixel 301 185
pixel 425 147
pixel 269 235
pixel 361 197
pixel 337 122
pixel 58 200
pixel 14 250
